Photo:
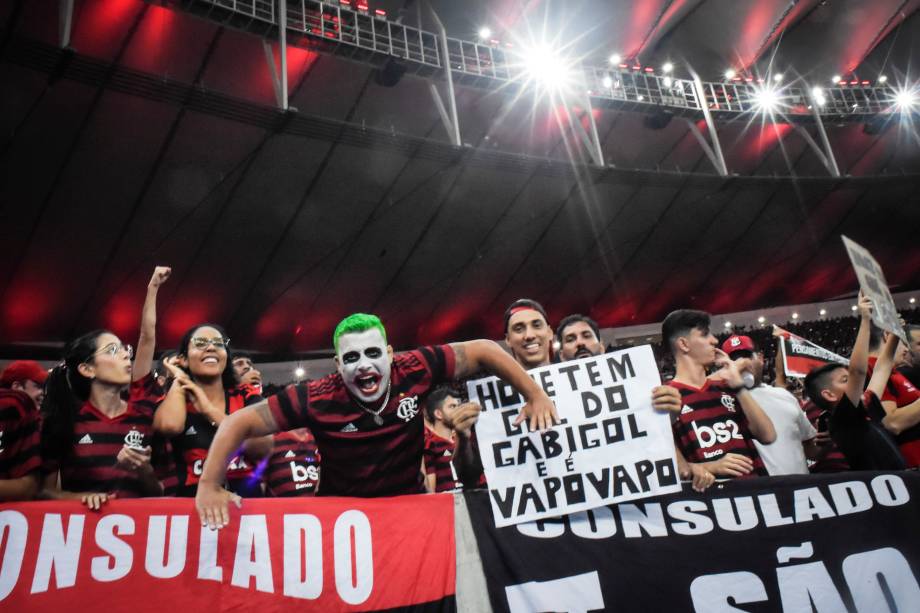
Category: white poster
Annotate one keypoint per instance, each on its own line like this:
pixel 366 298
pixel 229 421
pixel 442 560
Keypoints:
pixel 611 447
pixel 872 283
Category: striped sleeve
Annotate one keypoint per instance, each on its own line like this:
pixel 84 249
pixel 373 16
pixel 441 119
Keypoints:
pixel 21 448
pixel 289 407
pixel 439 360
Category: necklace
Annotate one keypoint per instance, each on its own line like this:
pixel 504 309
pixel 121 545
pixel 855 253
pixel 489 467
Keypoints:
pixel 377 418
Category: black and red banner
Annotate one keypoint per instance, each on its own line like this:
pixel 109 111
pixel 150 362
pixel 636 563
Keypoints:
pixel 801 356
pixel 844 542
pixel 318 554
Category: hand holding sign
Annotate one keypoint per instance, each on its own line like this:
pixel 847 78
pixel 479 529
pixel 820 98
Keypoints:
pixel 541 412
pixel 873 284
pixel 463 418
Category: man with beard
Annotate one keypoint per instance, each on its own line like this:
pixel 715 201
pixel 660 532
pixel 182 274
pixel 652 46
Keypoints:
pixel 246 371
pixel 365 417
pixel 579 337
pixel 796 439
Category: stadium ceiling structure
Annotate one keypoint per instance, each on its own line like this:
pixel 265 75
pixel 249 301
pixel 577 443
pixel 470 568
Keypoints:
pixel 619 159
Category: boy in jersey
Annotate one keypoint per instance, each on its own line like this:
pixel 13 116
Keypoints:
pixel 720 419
pixel 853 413
pixel 365 417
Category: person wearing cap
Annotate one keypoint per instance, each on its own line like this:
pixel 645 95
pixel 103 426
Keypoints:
pixel 25 376
pixel 21 390
pixel 796 440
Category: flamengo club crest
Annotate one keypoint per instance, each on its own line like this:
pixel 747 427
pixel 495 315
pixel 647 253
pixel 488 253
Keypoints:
pixel 408 408
pixel 134 439
pixel 728 402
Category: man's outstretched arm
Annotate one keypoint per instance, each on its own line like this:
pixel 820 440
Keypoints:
pixel 473 356
pixel 211 500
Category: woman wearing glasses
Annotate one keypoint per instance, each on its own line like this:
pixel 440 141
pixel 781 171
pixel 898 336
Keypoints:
pixel 97 440
pixel 204 391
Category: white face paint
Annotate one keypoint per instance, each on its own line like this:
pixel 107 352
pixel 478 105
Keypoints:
pixel 363 360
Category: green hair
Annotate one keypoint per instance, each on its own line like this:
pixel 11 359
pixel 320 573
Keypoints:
pixel 357 322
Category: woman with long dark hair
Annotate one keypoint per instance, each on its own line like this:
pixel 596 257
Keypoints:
pixel 204 391
pixel 95 443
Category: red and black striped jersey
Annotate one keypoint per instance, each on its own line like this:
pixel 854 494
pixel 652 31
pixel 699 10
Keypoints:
pixel 20 435
pixel 439 456
pixel 902 392
pixel 293 466
pixel 712 423
pixel 97 439
pixel 359 457
pixel 191 447
pixel 833 461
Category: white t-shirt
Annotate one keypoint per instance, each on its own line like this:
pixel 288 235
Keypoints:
pixel 785 455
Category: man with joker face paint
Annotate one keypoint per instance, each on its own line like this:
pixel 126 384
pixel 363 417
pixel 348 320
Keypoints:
pixel 366 417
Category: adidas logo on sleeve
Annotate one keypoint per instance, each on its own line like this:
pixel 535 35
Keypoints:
pixel 349 428
pixel 86 440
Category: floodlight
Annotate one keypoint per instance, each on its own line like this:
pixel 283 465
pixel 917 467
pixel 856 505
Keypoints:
pixel 728 324
pixel 667 67
pixel 835 78
pixel 761 319
pixel 299 372
pixel 615 59
pixel 485 33
pixel 905 99
pixel 545 66
pixel 778 77
pixel 607 82
pixel 730 74
pixel 667 81
pixel 912 300
pixel 795 316
pixel 883 79
pixel 818 95
pixel 822 312
pixel 766 99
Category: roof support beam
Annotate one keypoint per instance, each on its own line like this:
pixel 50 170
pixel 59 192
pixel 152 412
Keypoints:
pixel 451 122
pixel 824 153
pixel 713 151
pixel 65 25
pixel 279 81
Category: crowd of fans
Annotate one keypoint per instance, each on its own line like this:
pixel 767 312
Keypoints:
pixel 104 423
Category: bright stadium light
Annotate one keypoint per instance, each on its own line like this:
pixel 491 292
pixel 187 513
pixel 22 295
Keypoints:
pixel 905 99
pixel 883 79
pixel 667 67
pixel 299 372
pixel 485 33
pixel 667 81
pixel 818 95
pixel 822 312
pixel 545 66
pixel 728 324
pixel 835 78
pixel 795 316
pixel 778 77
pixel 761 319
pixel 912 300
pixel 766 99
pixel 730 74
pixel 615 59
pixel 607 82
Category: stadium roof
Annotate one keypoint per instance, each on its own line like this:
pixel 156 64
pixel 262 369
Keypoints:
pixel 156 139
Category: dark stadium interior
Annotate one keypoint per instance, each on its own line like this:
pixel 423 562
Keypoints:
pixel 156 140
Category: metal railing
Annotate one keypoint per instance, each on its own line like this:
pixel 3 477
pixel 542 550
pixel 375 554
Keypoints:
pixel 366 37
